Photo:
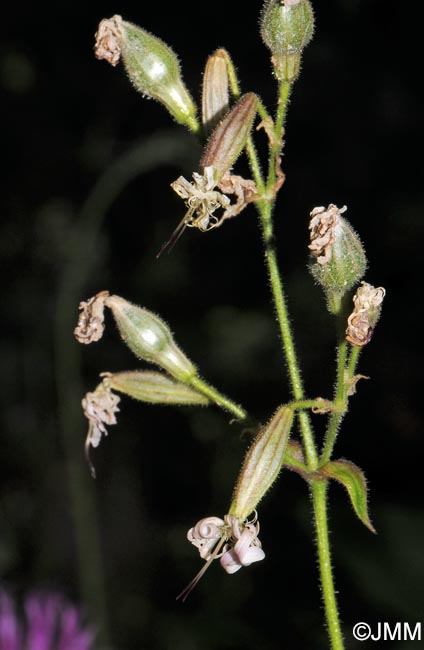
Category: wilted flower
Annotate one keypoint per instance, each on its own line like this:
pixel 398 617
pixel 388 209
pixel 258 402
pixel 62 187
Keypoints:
pixel 364 317
pixel 338 259
pixel 210 188
pixel 47 622
pixel 99 408
pixel 90 326
pixel 202 199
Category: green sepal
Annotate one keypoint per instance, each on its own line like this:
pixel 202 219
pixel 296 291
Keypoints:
pixel 353 479
pixel 154 388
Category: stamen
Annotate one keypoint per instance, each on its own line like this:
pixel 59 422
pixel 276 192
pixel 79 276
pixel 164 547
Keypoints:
pixel 192 584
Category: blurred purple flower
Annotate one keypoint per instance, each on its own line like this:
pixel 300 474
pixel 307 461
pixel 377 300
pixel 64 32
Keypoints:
pixel 47 622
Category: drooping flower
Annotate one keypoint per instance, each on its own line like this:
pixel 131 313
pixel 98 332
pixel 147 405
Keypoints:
pixel 234 542
pixel 99 408
pixel 47 622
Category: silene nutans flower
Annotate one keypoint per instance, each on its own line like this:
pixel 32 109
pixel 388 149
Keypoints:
pixel 147 335
pixel 150 339
pixel 151 65
pixel 234 539
pixel 210 189
pixel 367 310
pixel 338 259
pixel 234 542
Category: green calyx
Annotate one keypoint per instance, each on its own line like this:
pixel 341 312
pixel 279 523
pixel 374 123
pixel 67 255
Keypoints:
pixel 286 28
pixel 154 70
pixel 338 260
pixel 149 338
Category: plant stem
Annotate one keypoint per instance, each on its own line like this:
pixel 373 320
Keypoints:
pixel 250 146
pixel 319 499
pixel 318 403
pixel 354 357
pixel 344 376
pixel 276 146
pixel 340 400
pixel 218 398
pixel 265 211
pixel 318 487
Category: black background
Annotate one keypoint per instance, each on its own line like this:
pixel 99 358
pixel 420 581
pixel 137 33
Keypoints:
pixel 81 215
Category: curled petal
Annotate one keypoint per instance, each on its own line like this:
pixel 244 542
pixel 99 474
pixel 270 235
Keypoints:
pixel 91 319
pixel 205 535
pixel 368 297
pixel 323 226
pixel 246 550
pixel 367 310
pixel 108 40
pixel 209 528
pixel 202 199
pixel 359 331
pixel 99 408
pixel 229 562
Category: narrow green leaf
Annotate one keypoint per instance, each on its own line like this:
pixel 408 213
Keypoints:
pixel 353 479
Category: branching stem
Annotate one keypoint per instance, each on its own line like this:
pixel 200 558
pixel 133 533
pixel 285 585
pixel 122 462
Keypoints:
pixel 318 486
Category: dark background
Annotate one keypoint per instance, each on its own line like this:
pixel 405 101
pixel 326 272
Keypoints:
pixel 86 170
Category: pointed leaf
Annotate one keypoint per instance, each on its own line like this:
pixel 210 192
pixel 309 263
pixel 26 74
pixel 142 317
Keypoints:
pixel 353 479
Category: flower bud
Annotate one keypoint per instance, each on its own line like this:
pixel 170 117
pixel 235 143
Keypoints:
pixel 367 310
pixel 151 65
pixel 287 27
pixel 154 388
pixel 215 98
pixel 229 138
pixel 262 463
pixel 338 258
pixel 149 338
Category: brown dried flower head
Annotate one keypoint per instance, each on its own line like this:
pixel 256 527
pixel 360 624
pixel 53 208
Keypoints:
pixel 108 40
pixel 367 310
pixel 90 326
pixel 323 225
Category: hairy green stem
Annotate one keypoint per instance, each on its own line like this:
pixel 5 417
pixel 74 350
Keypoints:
pixel 312 404
pixel 217 397
pixel 265 211
pixel 319 499
pixel 340 400
pixel 255 165
pixel 345 374
pixel 318 487
pixel 353 361
pixel 235 89
pixel 276 145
